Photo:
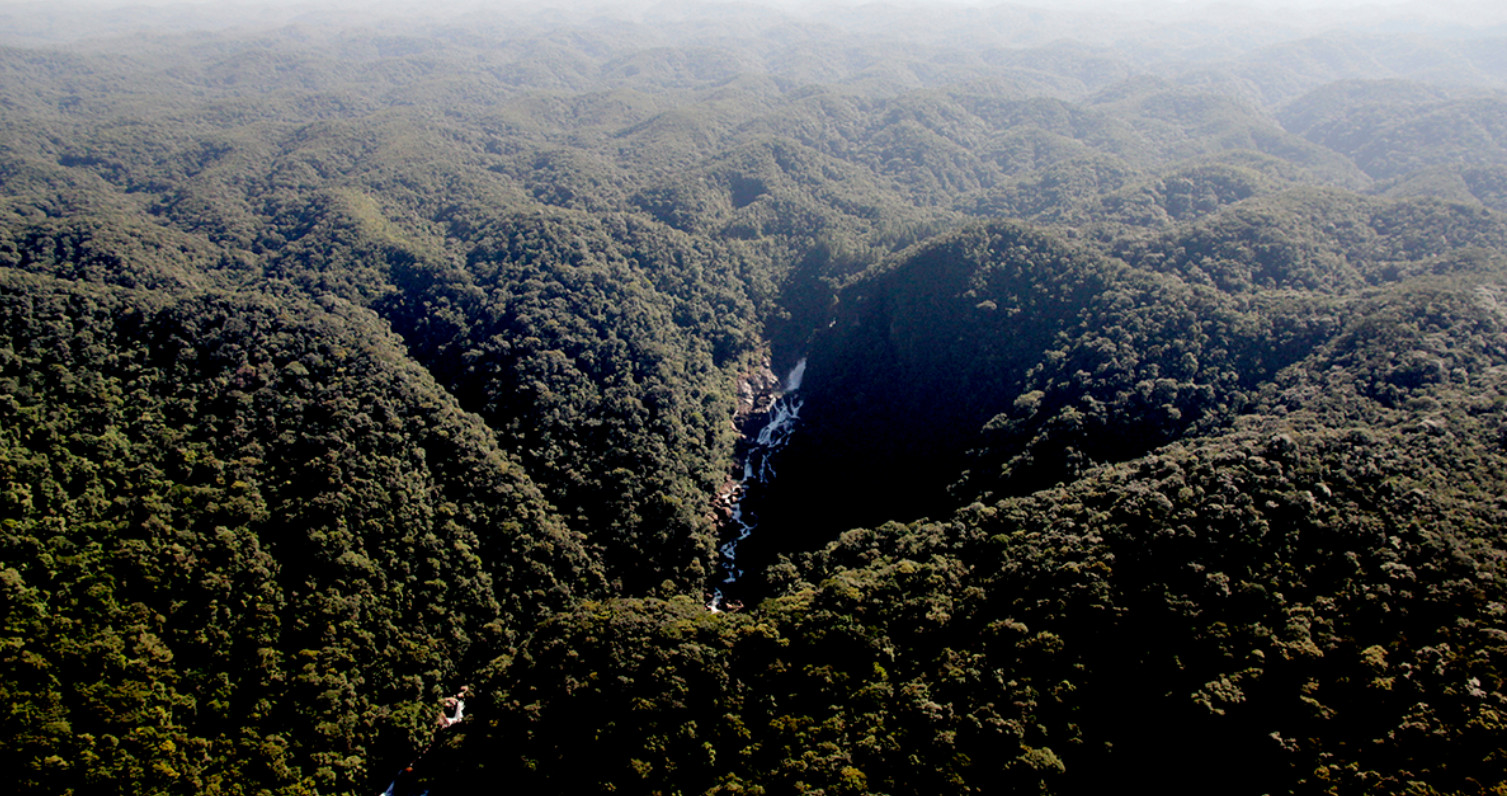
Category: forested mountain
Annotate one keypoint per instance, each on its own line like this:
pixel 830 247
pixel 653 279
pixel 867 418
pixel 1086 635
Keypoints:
pixel 1151 426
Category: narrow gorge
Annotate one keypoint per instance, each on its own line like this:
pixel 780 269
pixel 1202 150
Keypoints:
pixel 775 410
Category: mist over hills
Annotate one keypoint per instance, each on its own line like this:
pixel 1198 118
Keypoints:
pixel 1151 428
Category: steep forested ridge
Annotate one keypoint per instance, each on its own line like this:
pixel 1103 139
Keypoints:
pixel 1153 425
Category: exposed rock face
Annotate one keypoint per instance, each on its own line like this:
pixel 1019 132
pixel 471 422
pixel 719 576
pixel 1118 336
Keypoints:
pixel 757 389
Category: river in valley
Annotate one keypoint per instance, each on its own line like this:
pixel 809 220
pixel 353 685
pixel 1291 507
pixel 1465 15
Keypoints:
pixel 760 451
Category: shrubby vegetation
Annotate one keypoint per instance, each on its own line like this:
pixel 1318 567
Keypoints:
pixel 1153 425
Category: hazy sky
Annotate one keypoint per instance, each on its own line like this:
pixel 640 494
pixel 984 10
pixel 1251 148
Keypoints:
pixel 1166 4
pixel 63 20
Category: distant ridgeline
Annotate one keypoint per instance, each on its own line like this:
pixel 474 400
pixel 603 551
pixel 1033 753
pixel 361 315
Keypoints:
pixel 1153 426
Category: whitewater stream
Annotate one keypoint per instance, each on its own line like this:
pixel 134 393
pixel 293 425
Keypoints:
pixel 758 471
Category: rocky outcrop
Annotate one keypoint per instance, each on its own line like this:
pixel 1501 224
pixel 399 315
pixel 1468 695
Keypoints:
pixel 757 390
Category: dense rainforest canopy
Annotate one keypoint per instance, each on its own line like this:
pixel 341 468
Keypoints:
pixel 1154 424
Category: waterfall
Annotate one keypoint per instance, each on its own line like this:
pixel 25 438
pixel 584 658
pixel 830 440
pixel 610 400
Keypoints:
pixel 793 381
pixel 758 471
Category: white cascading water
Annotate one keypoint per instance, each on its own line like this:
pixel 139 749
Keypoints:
pixel 758 470
pixel 793 381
